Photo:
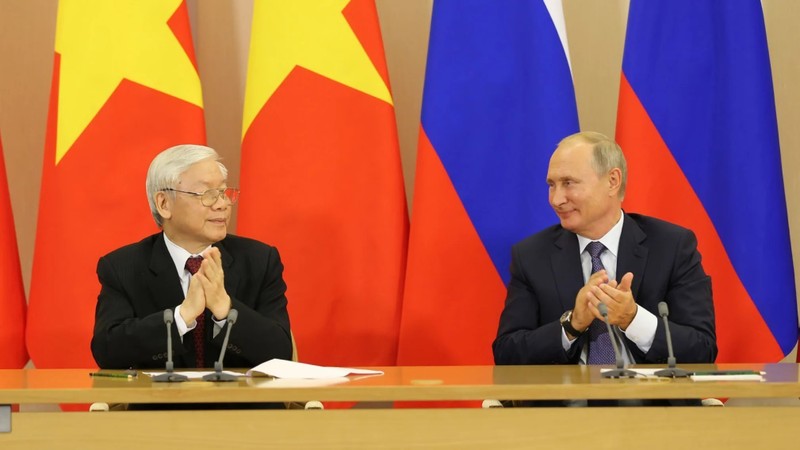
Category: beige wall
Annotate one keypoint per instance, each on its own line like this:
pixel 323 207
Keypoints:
pixel 596 30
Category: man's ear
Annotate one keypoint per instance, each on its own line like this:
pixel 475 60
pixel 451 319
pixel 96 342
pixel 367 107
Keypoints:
pixel 163 205
pixel 614 181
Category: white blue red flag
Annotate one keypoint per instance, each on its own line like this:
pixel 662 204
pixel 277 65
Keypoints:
pixel 498 98
pixel 698 126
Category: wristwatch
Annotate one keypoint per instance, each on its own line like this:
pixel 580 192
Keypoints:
pixel 566 323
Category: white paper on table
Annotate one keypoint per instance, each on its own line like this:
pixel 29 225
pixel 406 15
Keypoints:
pixel 269 382
pixel 640 372
pixel 651 373
pixel 281 368
pixel 195 375
pixel 726 377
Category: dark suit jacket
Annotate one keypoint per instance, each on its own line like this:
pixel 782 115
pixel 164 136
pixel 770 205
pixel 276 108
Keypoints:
pixel 139 281
pixel 546 276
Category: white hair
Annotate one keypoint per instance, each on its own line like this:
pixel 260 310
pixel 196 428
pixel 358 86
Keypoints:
pixel 169 165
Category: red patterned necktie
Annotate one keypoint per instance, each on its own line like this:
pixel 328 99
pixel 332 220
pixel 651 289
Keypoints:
pixel 193 265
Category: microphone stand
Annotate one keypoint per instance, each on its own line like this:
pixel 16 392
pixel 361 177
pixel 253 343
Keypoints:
pixel 620 371
pixel 218 375
pixel 671 370
pixel 169 375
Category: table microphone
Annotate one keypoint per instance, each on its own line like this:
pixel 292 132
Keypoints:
pixel 169 375
pixel 620 371
pixel 671 370
pixel 218 375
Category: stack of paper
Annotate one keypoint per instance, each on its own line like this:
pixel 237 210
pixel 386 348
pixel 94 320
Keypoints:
pixel 728 375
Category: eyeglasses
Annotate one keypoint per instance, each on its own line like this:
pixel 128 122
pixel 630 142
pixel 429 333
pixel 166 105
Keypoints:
pixel 209 197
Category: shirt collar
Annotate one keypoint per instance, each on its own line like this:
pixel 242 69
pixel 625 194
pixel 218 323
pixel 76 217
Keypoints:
pixel 178 254
pixel 610 240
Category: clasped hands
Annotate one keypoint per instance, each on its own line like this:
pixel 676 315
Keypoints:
pixel 207 290
pixel 617 297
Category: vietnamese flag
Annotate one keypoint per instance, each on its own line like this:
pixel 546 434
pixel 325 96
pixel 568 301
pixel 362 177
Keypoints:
pixel 698 126
pixel 125 87
pixel 321 177
pixel 12 294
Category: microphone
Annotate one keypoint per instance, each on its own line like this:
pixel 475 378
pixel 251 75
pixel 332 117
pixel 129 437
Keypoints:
pixel 218 375
pixel 671 370
pixel 620 371
pixel 169 375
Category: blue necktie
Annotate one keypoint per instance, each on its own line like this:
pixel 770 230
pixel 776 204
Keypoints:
pixel 600 349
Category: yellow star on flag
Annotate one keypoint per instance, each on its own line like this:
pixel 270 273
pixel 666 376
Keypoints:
pixel 312 34
pixel 102 42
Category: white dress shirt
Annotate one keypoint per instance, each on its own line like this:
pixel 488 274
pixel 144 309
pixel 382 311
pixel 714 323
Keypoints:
pixel 179 256
pixel 642 329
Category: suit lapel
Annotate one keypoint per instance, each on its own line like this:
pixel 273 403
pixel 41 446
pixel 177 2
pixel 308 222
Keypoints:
pixel 567 271
pixel 163 282
pixel 632 255
pixel 228 262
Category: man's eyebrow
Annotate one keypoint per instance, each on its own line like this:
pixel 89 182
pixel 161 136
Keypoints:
pixel 561 178
pixel 208 184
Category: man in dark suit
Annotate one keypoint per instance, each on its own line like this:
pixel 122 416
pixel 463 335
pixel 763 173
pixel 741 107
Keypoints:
pixel 191 202
pixel 599 254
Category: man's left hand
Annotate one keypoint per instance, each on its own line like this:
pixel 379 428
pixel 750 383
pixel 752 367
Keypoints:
pixel 212 278
pixel 618 299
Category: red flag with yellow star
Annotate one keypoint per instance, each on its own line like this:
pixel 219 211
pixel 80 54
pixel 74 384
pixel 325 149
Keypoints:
pixel 12 294
pixel 321 176
pixel 125 87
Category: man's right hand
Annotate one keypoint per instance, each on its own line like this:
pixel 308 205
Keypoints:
pixel 194 304
pixel 582 316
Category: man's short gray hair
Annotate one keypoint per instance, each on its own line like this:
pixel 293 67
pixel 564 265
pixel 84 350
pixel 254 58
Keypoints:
pixel 167 167
pixel 606 155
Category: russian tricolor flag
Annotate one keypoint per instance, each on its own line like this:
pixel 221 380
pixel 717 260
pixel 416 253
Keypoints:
pixel 698 126
pixel 498 98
